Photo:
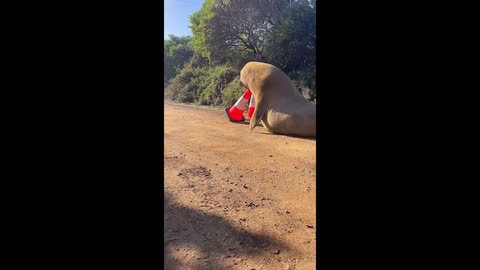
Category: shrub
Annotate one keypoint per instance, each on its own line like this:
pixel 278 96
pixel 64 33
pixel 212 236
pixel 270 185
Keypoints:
pixel 201 85
pixel 232 92
pixel 176 87
pixel 305 82
pixel 218 79
pixel 219 85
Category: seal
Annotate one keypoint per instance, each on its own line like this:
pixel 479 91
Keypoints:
pixel 279 106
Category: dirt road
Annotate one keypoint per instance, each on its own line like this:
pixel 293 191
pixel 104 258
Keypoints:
pixel 236 199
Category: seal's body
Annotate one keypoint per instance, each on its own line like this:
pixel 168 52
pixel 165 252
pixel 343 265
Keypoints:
pixel 279 106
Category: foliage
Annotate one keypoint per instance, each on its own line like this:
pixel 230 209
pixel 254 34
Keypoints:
pixel 293 40
pixel 201 28
pixel 176 52
pixel 229 33
pixel 232 92
pixel 229 30
pixel 202 85
pixel 280 32
pixel 305 81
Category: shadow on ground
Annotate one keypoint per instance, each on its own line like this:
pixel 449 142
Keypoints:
pixel 292 136
pixel 247 122
pixel 218 241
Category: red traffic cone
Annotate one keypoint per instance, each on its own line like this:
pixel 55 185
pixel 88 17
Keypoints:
pixel 251 107
pixel 235 113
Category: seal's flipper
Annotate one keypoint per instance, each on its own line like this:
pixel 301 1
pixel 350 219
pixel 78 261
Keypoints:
pixel 257 115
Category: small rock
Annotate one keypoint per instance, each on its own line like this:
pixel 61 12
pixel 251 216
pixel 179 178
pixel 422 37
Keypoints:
pixel 287 212
pixel 270 155
pixel 251 204
pixel 179 174
pixel 245 186
pixel 277 251
pixel 241 175
pixel 309 226
pixel 230 190
pixel 243 219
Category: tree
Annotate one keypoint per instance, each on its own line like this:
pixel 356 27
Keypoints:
pixel 228 30
pixel 293 42
pixel 279 32
pixel 200 28
pixel 243 27
pixel 176 52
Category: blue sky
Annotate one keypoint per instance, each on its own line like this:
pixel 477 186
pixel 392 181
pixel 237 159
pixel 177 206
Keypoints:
pixel 177 16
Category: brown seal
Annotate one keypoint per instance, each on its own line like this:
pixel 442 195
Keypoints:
pixel 279 106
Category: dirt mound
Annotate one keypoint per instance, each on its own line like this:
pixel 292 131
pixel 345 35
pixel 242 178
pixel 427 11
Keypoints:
pixel 198 171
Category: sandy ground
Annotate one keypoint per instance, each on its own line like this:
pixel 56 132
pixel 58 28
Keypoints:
pixel 236 199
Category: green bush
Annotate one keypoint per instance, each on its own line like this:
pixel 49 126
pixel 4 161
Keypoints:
pixel 176 88
pixel 232 92
pixel 202 85
pixel 219 85
pixel 305 82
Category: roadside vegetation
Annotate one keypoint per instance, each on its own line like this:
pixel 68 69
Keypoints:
pixel 205 68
